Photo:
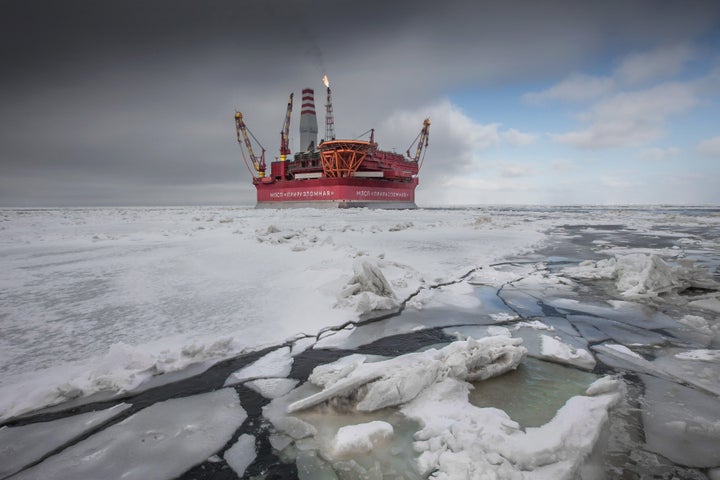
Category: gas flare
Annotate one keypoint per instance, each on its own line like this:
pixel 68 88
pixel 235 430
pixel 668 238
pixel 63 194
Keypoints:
pixel 326 81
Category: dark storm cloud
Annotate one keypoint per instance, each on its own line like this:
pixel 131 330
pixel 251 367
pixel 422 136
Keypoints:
pixel 101 98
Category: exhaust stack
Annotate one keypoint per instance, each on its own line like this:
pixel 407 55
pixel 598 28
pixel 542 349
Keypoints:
pixel 308 121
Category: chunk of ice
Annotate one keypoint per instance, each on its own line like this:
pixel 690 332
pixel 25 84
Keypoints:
pixel 161 441
pixel 241 454
pixel 681 423
pixel 369 387
pixel 272 387
pixel 277 363
pixel 641 275
pixel 352 440
pixel 459 440
pixel 557 351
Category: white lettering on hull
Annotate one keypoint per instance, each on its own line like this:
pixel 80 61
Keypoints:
pixel 302 194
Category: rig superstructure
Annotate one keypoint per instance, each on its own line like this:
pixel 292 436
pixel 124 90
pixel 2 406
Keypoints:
pixel 335 172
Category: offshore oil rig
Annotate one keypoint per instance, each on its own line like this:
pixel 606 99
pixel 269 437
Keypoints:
pixel 332 173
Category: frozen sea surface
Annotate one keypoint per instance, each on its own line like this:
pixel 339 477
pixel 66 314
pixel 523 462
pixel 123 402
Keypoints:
pixel 147 306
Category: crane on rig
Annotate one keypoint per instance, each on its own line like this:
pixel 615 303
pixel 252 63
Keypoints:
pixel 422 141
pixel 242 137
pixel 284 141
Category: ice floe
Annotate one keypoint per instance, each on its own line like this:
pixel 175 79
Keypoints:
pixel 241 454
pixel 277 363
pixel 272 387
pixel 161 441
pixel 688 436
pixel 554 350
pixel 21 446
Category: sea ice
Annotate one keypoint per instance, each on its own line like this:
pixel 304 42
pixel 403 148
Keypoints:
pixel 459 440
pixel 21 446
pixel 708 302
pixel 699 372
pixel 368 387
pixel 352 440
pixel 272 387
pixel 557 351
pixel 368 289
pixel 681 423
pixel 700 324
pixel 619 332
pixel 160 442
pixel 640 275
pixel 277 363
pixel 241 454
pixel 706 355
pixel 75 282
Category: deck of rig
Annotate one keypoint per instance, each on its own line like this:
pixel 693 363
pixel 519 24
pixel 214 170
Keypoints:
pixel 335 172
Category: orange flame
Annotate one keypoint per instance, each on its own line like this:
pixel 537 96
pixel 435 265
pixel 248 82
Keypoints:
pixel 326 81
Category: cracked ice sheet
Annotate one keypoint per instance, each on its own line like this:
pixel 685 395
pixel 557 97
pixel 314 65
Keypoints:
pixel 21 446
pixel 277 363
pixel 161 279
pixel 160 442
pixel 703 374
pixel 459 440
pixel 681 423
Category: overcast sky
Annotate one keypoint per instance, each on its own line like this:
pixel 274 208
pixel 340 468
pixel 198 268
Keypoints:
pixel 132 102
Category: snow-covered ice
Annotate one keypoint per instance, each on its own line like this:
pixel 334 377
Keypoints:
pixel 241 454
pixel 362 438
pixel 643 275
pixel 372 386
pixel 161 441
pixel 142 291
pixel 461 441
pixel 272 387
pixel 277 363
pixel 99 306
pixel 21 446
pixel 557 351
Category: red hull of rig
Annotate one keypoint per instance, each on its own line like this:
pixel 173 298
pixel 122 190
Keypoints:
pixel 335 173
pixel 337 192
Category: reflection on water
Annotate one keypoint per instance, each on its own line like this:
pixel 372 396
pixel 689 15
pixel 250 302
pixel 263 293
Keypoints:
pixel 533 393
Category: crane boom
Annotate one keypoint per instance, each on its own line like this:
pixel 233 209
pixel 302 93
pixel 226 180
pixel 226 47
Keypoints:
pixel 422 141
pixel 284 141
pixel 242 136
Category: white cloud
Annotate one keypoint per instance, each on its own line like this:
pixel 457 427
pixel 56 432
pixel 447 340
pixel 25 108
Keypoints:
pixel 514 171
pixel 518 139
pixel 612 181
pixel 456 140
pixel 658 154
pixel 631 118
pixel 575 88
pixel 635 69
pixel 638 68
pixel 711 146
pixel 563 165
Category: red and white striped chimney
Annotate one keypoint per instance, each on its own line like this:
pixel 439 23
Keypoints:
pixel 308 121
